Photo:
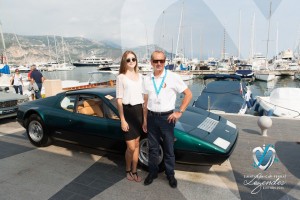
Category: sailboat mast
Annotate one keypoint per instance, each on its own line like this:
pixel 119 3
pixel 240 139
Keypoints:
pixel 192 43
pixel 277 50
pixel 269 32
pixel 200 56
pixel 4 48
pixel 55 49
pixel 224 44
pixel 25 59
pixel 49 49
pixel 252 38
pixel 239 43
pixel 63 48
pixel 179 31
pixel 163 31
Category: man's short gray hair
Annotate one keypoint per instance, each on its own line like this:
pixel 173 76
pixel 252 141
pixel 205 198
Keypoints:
pixel 158 51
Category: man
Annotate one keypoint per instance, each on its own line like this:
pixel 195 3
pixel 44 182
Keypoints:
pixel 31 86
pixel 160 89
pixel 37 77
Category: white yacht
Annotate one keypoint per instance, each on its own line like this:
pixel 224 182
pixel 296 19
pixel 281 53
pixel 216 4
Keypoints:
pixel 259 62
pixel 285 60
pixel 93 61
pixel 282 102
pixel 64 67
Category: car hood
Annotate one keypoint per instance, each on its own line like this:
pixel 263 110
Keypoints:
pixel 5 96
pixel 208 127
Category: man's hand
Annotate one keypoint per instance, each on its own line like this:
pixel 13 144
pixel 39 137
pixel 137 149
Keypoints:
pixel 174 117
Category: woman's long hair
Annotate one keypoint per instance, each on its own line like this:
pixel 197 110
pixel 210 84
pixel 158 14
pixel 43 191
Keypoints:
pixel 123 65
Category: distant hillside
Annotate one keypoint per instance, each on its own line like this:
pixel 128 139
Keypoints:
pixel 22 49
pixel 35 49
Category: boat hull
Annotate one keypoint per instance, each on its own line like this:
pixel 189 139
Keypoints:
pixel 86 64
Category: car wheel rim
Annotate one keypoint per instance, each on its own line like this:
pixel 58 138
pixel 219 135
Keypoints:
pixel 144 152
pixel 35 131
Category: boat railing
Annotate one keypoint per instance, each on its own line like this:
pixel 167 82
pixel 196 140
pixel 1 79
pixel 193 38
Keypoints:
pixel 275 105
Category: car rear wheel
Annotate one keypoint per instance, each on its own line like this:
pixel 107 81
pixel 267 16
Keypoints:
pixel 36 131
pixel 144 155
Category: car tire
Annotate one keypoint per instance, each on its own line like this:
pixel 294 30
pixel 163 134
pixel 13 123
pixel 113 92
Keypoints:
pixel 144 155
pixel 36 131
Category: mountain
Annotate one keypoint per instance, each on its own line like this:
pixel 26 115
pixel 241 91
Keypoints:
pixel 22 50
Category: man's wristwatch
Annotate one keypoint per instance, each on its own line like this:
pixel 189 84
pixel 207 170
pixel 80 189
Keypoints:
pixel 181 111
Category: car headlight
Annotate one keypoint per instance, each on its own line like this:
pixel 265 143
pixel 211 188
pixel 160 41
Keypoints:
pixel 23 100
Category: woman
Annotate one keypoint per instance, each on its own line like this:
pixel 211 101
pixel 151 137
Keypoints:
pixel 130 99
pixel 17 82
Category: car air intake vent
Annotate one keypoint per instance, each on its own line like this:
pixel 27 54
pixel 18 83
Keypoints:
pixel 7 104
pixel 208 124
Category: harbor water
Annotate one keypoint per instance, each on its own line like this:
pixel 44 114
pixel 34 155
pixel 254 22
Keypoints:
pixel 258 88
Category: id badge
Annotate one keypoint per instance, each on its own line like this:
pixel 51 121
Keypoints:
pixel 157 101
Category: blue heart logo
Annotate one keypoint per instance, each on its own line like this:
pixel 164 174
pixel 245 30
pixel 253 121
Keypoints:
pixel 263 157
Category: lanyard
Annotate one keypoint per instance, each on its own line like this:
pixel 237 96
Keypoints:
pixel 161 84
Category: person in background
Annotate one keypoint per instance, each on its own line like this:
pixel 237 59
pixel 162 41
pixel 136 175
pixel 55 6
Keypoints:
pixel 17 82
pixel 30 87
pixel 160 89
pixel 129 101
pixel 37 77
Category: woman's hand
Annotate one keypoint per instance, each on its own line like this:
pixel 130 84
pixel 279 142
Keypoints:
pixel 124 126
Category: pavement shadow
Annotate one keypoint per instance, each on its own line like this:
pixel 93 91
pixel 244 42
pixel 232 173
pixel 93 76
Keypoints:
pixel 19 135
pixel 288 154
pixel 251 131
pixel 8 120
pixel 103 174
pixel 193 168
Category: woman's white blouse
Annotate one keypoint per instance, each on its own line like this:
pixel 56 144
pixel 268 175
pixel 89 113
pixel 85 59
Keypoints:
pixel 130 91
pixel 17 79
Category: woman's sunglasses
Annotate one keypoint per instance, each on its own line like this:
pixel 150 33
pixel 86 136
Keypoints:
pixel 130 60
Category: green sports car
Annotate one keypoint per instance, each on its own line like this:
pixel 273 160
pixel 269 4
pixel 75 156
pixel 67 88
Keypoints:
pixel 90 117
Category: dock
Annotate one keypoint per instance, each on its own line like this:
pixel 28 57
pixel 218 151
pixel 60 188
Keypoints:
pixel 67 171
pixel 275 72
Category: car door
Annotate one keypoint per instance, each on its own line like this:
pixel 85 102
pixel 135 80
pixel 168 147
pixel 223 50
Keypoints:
pixel 89 124
pixel 58 118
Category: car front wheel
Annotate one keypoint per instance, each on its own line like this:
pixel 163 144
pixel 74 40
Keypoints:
pixel 36 131
pixel 144 155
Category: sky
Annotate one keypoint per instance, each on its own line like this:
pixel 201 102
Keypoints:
pixel 208 27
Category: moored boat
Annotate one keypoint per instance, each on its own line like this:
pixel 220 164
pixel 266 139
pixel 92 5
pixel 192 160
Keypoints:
pixel 93 61
pixel 244 71
pixel 264 76
pixel 228 94
pixel 282 102
pixel 297 75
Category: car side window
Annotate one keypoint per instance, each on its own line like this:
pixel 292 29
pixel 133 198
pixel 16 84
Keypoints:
pixel 109 113
pixel 68 103
pixel 90 105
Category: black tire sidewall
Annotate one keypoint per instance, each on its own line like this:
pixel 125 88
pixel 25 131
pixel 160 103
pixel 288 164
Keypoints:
pixel 161 165
pixel 46 140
